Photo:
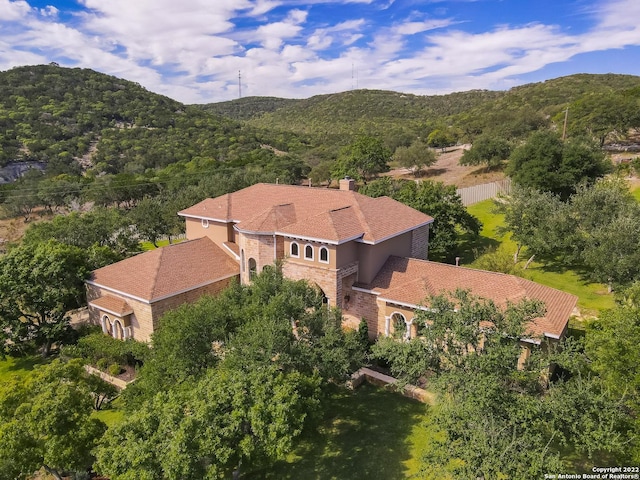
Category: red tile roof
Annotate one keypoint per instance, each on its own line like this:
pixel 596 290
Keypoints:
pixel 166 271
pixel 115 305
pixel 411 281
pixel 312 213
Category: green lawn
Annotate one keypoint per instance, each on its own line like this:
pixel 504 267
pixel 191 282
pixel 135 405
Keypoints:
pixel 592 297
pixel 111 413
pixel 146 246
pixel 367 434
pixel 12 367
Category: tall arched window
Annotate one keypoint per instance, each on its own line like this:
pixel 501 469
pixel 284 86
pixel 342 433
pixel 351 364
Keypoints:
pixel 324 254
pixel 399 324
pixel 294 250
pixel 242 260
pixel 253 268
pixel 308 252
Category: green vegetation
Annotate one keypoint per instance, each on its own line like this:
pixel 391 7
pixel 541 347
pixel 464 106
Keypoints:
pixel 19 367
pixel 592 297
pixel 488 389
pixel 40 284
pixel 46 422
pixel 549 164
pixel 364 434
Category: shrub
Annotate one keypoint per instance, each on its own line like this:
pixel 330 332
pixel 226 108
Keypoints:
pixel 102 364
pixel 114 369
pixel 97 346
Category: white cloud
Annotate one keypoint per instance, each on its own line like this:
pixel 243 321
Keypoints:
pixel 283 48
pixel 411 28
pixel 11 11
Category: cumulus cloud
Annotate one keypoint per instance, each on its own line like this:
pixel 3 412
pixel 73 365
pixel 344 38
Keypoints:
pixel 193 50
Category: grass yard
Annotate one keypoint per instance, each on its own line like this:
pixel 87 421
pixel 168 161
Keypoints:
pixel 369 433
pixel 111 413
pixel 146 246
pixel 592 297
pixel 12 367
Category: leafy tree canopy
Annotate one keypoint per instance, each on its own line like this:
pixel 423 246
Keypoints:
pixel 548 164
pixel 45 422
pixel 363 159
pixel 40 284
pixel 415 157
pixel 487 150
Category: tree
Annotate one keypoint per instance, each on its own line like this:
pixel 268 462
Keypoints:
pixel 184 346
pixel 415 157
pixel 363 159
pixel 602 114
pixel 150 220
pixel 536 220
pixel 451 218
pixel 488 150
pixel 441 138
pixel 40 284
pixel 546 163
pixel 100 227
pixel 22 198
pixel 45 422
pixel 229 419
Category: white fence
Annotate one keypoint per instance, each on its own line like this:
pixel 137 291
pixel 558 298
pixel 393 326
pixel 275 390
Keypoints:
pixel 478 193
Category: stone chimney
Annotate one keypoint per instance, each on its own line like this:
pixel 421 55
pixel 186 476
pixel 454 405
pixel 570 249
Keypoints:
pixel 347 183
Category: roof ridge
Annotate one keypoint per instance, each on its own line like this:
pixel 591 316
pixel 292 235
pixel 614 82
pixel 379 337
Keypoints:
pixel 156 270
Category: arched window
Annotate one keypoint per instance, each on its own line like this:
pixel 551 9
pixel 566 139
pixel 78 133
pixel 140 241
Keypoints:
pixel 253 268
pixel 204 222
pixel 308 252
pixel 294 250
pixel 399 325
pixel 118 331
pixel 242 260
pixel 105 321
pixel 324 254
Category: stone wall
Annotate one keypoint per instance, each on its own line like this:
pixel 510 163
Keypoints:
pixel 144 320
pixel 258 247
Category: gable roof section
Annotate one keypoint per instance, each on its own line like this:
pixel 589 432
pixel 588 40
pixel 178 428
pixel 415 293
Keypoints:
pixel 167 271
pixel 409 281
pixel 114 305
pixel 310 213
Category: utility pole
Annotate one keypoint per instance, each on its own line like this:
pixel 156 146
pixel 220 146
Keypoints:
pixel 564 128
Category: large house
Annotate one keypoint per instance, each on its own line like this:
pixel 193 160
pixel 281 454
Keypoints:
pixel 367 255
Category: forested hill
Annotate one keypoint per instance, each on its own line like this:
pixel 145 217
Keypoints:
pixel 78 119
pixel 397 116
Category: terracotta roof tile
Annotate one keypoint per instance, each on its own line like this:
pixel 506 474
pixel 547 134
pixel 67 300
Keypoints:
pixel 311 214
pixel 114 305
pixel 411 281
pixel 168 270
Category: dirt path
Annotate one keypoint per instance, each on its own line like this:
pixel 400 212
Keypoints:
pixel 448 171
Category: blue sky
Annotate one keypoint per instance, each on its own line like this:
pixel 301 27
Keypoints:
pixel 193 50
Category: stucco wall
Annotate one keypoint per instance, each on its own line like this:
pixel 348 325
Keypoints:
pixel 372 257
pixel 218 232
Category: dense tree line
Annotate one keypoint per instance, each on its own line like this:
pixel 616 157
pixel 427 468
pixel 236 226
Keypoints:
pixel 498 420
pixel 596 230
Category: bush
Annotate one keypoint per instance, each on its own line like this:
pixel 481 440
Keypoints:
pixel 102 364
pixel 114 369
pixel 98 346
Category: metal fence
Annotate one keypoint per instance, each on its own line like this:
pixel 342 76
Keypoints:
pixel 478 193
